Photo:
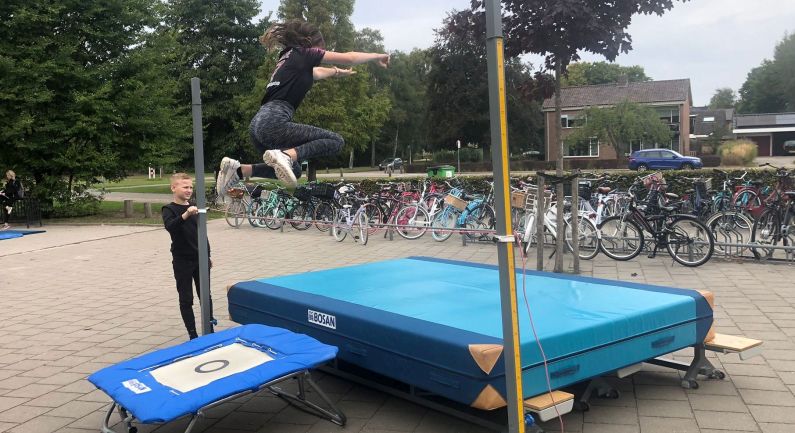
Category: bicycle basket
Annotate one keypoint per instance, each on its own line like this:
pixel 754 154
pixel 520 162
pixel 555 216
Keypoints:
pixel 324 191
pixel 236 192
pixel 302 193
pixel 455 202
pixel 703 187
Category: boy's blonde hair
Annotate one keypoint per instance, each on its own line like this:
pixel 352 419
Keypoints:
pixel 176 177
pixel 11 175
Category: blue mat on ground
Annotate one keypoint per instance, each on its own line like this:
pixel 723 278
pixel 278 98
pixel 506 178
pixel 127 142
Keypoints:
pixel 436 324
pixel 165 384
pixel 13 234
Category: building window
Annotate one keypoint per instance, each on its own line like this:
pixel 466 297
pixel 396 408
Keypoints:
pixel 567 121
pixel 709 119
pixel 589 148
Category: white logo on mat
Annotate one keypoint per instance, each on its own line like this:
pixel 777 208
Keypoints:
pixel 135 386
pixel 322 319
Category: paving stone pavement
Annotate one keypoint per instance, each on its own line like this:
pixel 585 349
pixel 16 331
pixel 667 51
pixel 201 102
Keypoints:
pixel 76 299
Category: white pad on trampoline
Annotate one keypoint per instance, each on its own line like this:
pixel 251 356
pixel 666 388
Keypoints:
pixel 197 371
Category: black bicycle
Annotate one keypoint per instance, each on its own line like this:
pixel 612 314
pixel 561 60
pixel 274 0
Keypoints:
pixel 687 239
pixel 776 224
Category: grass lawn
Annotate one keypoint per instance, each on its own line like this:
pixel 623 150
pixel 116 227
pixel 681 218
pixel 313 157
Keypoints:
pixel 112 212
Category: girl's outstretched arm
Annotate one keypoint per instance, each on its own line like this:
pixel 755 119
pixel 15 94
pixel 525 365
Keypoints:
pixel 355 58
pixel 321 73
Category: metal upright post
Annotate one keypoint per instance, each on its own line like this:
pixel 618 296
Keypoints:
pixel 575 222
pixel 201 203
pixel 502 202
pixel 540 214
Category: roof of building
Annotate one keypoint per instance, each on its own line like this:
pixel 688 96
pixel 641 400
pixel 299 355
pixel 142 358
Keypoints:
pixel 644 92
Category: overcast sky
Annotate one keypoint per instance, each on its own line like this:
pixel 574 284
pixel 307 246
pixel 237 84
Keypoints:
pixel 715 43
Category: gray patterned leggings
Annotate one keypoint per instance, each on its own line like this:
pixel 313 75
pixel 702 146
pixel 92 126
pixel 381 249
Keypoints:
pixel 272 128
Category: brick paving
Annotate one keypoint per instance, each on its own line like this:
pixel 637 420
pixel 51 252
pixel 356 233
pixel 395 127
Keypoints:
pixel 76 299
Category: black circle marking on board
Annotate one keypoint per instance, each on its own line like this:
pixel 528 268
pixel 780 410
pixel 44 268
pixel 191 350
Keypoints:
pixel 201 368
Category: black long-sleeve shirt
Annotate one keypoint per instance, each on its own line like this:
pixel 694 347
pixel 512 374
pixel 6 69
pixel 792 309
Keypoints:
pixel 184 233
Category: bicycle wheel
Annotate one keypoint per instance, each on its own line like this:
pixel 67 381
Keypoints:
pixel 362 227
pixel 251 212
pixel 412 221
pixel 339 227
pixel 274 216
pixel 444 220
pixel 479 220
pixel 622 239
pixel 235 212
pixel 301 218
pixel 324 216
pixel 588 238
pixel 373 216
pixel 766 232
pixel 730 227
pixel 689 242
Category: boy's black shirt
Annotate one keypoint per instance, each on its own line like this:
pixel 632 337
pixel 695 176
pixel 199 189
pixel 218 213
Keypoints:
pixel 184 233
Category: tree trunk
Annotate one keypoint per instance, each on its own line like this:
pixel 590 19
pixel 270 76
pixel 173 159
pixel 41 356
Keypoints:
pixel 350 160
pixel 311 174
pixel 69 195
pixel 394 151
pixel 372 154
pixel 560 229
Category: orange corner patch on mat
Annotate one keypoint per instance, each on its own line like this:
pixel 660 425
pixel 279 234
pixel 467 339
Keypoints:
pixel 489 399
pixel 710 297
pixel 485 355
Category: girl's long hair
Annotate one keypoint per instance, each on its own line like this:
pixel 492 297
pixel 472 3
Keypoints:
pixel 292 34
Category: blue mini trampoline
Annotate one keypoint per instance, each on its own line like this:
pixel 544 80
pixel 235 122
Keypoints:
pixel 186 379
pixel 436 324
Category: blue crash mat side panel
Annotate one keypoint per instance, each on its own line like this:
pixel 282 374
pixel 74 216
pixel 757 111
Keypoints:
pixel 703 311
pixel 155 403
pixel 359 331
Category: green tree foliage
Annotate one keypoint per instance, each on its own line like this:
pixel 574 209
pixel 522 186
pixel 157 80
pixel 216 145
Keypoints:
pixel 770 87
pixel 217 42
pixel 588 73
pixel 723 98
pixel 84 92
pixel 350 106
pixel 620 125
pixel 458 103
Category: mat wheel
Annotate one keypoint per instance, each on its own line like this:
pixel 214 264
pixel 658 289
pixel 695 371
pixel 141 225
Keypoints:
pixel 582 406
pixel 132 430
pixel 717 374
pixel 690 384
pixel 613 394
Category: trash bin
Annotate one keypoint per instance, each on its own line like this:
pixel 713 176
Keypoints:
pixel 441 172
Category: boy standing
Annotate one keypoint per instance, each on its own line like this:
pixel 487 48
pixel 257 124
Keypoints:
pixel 182 223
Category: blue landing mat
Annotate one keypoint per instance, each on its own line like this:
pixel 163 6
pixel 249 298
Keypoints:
pixel 13 234
pixel 426 322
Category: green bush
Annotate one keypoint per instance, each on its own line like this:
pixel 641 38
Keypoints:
pixel 738 152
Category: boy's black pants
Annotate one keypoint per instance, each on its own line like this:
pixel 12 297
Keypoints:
pixel 186 272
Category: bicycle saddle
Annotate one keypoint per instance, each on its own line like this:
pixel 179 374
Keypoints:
pixel 604 189
pixel 671 196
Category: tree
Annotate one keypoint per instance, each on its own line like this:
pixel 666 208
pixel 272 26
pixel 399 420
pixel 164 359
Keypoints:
pixel 84 93
pixel 458 92
pixel 587 73
pixel 770 87
pixel 559 30
pixel 723 98
pixel 217 43
pixel 349 106
pixel 620 125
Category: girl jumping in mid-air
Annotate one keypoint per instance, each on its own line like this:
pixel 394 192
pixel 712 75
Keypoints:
pixel 282 142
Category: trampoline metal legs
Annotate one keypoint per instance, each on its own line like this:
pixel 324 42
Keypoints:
pixel 332 414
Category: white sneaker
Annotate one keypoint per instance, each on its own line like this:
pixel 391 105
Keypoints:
pixel 227 176
pixel 283 165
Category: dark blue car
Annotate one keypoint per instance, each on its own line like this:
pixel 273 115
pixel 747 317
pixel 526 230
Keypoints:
pixel 662 159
